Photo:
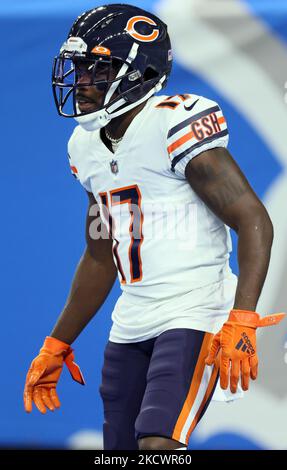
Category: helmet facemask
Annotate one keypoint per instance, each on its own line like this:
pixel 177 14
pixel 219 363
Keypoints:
pixel 100 73
pixel 117 81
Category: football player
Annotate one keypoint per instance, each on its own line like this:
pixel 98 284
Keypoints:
pixel 167 190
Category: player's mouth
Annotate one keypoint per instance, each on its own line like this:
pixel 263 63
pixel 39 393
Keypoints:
pixel 86 104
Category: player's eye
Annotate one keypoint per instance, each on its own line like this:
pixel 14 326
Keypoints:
pixel 102 69
pixel 84 68
pixel 101 86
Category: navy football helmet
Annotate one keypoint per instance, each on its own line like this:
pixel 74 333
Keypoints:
pixel 127 52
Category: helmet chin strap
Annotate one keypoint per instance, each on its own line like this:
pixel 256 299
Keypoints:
pixel 131 57
pixel 99 119
pixel 119 103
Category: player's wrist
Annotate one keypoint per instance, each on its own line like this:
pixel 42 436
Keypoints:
pixel 244 317
pixel 55 346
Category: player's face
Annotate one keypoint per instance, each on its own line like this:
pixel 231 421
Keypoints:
pixel 90 95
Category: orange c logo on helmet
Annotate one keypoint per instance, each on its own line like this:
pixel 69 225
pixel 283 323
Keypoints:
pixel 130 29
pixel 101 50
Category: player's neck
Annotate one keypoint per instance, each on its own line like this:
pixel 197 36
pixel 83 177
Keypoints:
pixel 118 126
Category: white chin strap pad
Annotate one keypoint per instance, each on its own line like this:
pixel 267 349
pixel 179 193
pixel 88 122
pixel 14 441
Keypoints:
pixel 93 121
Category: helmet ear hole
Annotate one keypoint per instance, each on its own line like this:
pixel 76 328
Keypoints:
pixel 127 83
pixel 149 74
pixel 116 64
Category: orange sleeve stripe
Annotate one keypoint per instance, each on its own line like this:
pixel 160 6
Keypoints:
pixel 194 387
pixel 180 142
pixel 74 169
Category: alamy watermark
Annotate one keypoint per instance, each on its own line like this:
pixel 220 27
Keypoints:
pixel 150 221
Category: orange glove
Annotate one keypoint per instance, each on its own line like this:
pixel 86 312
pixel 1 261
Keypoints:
pixel 236 342
pixel 44 373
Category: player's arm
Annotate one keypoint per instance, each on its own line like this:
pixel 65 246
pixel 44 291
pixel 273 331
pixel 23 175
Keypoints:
pixel 219 182
pixel 92 282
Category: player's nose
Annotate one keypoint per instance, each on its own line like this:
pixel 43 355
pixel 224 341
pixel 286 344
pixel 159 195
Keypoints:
pixel 84 78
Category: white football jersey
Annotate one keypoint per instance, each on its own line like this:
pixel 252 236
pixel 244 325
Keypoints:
pixel 169 248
